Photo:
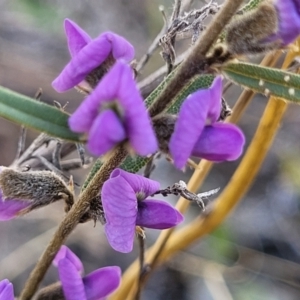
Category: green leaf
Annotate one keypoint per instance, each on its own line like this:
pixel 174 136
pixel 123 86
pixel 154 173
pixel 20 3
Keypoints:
pixel 32 113
pixel 265 80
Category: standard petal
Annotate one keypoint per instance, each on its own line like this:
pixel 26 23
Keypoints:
pixel 157 214
pixel 86 60
pixel 120 208
pixel 102 282
pixel 136 118
pixel 139 184
pixel 106 91
pixel 9 209
pixel 77 37
pixel 71 280
pixel 65 253
pixel 214 110
pixel 220 142
pixel 121 48
pixel 6 290
pixel 189 125
pixel 90 57
pixel 106 132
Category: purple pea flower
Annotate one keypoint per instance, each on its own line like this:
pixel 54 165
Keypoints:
pixel 89 55
pixel 288 12
pixel 6 290
pixel 115 112
pixel 94 286
pixel 123 198
pixel 197 132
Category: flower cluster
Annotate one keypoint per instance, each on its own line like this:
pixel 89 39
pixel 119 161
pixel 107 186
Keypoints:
pixel 114 112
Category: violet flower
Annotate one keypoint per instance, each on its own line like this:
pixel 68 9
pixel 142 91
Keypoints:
pixel 6 290
pixel 123 198
pixel 89 54
pixel 94 286
pixel 197 132
pixel 288 12
pixel 113 113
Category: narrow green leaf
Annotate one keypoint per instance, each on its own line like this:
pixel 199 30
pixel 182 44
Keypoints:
pixel 35 114
pixel 265 80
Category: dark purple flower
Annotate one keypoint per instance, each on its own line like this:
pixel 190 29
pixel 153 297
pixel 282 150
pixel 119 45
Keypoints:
pixel 6 290
pixel 88 54
pixel 123 197
pixel 115 112
pixel 289 21
pixel 198 133
pixel 94 286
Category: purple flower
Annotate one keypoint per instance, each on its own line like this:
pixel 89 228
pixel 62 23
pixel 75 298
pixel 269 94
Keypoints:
pixel 6 290
pixel 94 286
pixel 115 112
pixel 89 54
pixel 198 133
pixel 289 21
pixel 123 198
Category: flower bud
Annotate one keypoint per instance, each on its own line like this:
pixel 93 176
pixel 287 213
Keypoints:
pixel 21 192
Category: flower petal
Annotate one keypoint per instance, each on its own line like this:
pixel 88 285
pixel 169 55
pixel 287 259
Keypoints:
pixel 65 253
pixel 214 110
pixel 219 142
pixel 136 118
pixel 77 37
pixel 90 57
pixel 10 208
pixel 120 208
pixel 106 91
pixel 289 20
pixel 102 282
pixel 106 132
pixel 139 184
pixel 71 280
pixel 6 290
pixel 189 125
pixel 157 214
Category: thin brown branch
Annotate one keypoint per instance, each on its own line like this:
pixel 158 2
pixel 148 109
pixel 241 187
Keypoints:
pixel 195 62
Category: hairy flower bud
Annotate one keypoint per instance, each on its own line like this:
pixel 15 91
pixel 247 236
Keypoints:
pixel 22 192
pixel 248 33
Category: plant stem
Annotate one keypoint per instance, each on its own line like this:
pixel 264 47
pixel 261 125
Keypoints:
pixel 69 223
pixel 195 62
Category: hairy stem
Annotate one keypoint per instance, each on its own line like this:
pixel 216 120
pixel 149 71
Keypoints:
pixel 195 62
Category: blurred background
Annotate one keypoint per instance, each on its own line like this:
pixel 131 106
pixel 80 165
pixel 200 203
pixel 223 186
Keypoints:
pixel 255 254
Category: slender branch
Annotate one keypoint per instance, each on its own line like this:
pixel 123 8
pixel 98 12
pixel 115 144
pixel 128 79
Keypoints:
pixel 195 62
pixel 141 240
pixel 70 221
pixel 154 45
